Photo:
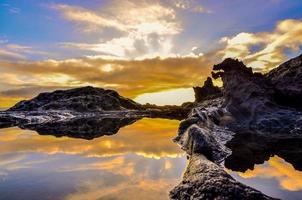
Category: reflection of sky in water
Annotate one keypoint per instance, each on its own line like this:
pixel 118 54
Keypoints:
pixel 275 177
pixel 140 162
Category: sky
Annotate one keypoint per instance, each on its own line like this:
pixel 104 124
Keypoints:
pixel 151 51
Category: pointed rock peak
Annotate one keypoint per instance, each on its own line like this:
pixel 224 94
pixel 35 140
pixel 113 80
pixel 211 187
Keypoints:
pixel 207 91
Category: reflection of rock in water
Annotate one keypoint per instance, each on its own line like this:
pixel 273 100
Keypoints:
pixel 86 128
pixel 249 149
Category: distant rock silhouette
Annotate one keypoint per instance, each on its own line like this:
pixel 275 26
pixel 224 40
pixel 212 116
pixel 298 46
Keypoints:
pixel 85 99
pixel 207 91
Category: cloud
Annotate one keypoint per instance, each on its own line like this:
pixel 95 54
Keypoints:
pixel 11 9
pixel 9 51
pixel 135 76
pixel 141 34
pixel 265 50
pixel 125 16
pixel 129 77
pixel 10 55
pixel 146 131
pixel 191 5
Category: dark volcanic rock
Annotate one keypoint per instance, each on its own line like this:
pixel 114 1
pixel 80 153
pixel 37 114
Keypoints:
pixel 205 180
pixel 287 80
pixel 85 99
pixel 266 106
pixel 207 91
pixel 251 99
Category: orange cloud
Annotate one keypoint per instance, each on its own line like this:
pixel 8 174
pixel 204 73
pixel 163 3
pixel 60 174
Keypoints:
pixel 129 77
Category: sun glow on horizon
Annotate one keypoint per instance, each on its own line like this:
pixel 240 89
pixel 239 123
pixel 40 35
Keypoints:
pixel 167 97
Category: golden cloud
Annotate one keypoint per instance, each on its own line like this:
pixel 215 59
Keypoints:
pixel 125 16
pixel 129 77
pixel 132 76
pixel 269 47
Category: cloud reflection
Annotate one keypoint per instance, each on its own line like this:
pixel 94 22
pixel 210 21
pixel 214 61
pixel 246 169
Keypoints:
pixel 277 168
pixel 143 132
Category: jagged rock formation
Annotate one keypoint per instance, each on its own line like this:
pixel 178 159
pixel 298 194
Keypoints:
pixel 250 101
pixel 251 98
pixel 207 91
pixel 85 99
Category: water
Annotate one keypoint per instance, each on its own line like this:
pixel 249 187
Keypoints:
pixel 126 159
pixel 272 164
pixel 140 162
pixel 274 177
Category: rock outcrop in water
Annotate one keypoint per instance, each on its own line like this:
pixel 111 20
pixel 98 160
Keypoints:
pixel 265 105
pixel 85 99
pixel 84 102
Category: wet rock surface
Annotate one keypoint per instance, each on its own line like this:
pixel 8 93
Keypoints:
pixel 204 179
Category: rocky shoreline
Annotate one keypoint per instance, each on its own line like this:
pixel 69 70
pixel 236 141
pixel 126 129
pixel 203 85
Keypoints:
pixel 213 131
pixel 250 101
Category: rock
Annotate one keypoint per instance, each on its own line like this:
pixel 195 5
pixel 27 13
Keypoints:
pixel 85 99
pixel 207 91
pixel 250 148
pixel 204 180
pixel 199 133
pixel 251 99
pixel 287 80
pixel 169 111
pixel 215 130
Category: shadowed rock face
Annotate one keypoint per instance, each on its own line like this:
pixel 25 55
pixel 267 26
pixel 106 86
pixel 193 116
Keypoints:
pixel 85 128
pixel 287 80
pixel 207 91
pixel 251 98
pixel 85 99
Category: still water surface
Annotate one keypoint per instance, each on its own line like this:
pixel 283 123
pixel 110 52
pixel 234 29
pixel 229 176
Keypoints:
pixel 139 162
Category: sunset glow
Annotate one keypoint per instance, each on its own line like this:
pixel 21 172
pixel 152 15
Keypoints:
pixel 115 44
